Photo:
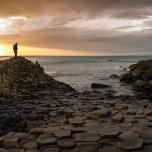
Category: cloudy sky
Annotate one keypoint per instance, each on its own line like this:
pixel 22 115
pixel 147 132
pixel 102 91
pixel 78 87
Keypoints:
pixel 76 27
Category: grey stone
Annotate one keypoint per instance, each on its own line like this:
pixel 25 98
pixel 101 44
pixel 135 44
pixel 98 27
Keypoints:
pixel 130 141
pixel 46 139
pixel 50 148
pixel 67 142
pixel 3 150
pixel 87 147
pixel 30 145
pixel 87 137
pixel 117 118
pixel 110 132
pixel 62 133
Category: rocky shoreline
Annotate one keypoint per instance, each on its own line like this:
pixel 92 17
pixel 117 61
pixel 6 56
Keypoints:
pixel 53 117
pixel 139 77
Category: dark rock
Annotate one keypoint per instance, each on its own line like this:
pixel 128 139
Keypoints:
pixel 87 137
pixel 30 145
pixel 45 139
pixel 67 142
pixel 62 133
pixel 19 76
pixel 50 148
pixel 117 118
pixel 140 76
pixel 87 147
pixel 140 85
pixel 142 70
pixel 111 149
pixel 3 150
pixel 130 141
pixel 114 76
pixel 110 132
pixel 99 86
pixel 127 78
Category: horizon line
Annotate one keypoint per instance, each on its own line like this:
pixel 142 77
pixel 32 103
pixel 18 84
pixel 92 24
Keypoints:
pixel 75 55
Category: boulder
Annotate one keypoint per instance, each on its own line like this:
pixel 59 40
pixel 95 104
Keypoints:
pixel 142 70
pixel 114 76
pixel 99 86
pixel 140 85
pixel 127 78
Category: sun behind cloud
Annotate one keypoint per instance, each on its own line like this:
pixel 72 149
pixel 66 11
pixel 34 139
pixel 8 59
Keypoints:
pixel 2 50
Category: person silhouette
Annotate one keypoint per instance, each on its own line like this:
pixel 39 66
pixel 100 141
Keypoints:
pixel 15 48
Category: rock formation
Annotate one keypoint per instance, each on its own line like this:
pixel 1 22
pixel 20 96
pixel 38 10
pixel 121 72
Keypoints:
pixel 70 122
pixel 140 76
pixel 21 76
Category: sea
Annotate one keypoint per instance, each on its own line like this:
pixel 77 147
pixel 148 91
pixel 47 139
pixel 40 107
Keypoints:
pixel 80 71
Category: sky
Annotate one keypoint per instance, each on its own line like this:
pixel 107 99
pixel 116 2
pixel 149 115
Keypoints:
pixel 76 27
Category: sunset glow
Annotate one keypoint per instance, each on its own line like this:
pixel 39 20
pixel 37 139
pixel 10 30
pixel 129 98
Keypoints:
pixel 82 27
pixel 2 51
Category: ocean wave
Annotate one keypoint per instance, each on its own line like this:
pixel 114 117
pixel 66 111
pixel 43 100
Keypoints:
pixel 61 74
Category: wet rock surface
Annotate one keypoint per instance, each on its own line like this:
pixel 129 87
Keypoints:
pixel 75 122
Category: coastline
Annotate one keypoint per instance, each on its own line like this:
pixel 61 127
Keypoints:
pixel 75 121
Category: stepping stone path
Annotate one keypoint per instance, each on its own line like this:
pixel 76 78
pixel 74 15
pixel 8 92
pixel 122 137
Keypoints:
pixel 83 124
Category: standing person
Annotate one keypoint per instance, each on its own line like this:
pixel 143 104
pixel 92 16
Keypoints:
pixel 15 48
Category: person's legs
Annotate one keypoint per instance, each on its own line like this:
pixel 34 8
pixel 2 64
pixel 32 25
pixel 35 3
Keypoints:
pixel 15 53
